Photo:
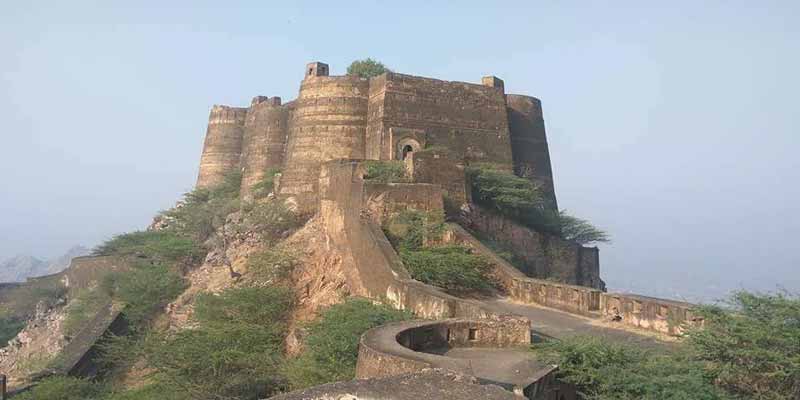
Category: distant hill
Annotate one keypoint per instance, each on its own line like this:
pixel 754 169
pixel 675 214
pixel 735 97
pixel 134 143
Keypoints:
pixel 21 267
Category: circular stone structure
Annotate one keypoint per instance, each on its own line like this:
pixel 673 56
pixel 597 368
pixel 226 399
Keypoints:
pixel 495 352
pixel 329 121
pixel 222 149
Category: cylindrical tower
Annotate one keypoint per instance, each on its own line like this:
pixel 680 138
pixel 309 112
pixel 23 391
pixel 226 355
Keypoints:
pixel 328 122
pixel 265 131
pixel 529 143
pixel 222 150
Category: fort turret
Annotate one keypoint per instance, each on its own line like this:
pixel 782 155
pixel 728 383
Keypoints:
pixel 328 122
pixel 263 146
pixel 222 150
pixel 529 143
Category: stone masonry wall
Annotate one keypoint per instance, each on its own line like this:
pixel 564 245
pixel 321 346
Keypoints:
pixel 222 150
pixel 264 143
pixel 328 122
pixel 529 143
pixel 545 256
pixel 469 119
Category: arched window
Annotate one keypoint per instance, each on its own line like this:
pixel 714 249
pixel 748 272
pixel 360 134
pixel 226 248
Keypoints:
pixel 407 149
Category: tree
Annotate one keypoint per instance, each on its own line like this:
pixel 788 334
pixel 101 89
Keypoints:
pixel 366 68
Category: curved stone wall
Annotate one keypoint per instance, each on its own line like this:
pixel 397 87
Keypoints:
pixel 499 346
pixel 222 150
pixel 265 132
pixel 328 122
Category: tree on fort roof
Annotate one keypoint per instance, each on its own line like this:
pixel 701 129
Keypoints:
pixel 366 68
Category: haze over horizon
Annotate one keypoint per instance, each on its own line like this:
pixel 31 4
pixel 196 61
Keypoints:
pixel 673 126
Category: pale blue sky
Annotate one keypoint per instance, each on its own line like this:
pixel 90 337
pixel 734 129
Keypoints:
pixel 674 126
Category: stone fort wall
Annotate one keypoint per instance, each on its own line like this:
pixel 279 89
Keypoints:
pixel 345 117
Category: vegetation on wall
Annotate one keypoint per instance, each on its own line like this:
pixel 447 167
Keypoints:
pixel 9 328
pixel 749 349
pixel 144 290
pixel 385 171
pixel 521 200
pixel 417 235
pixel 267 183
pixel 331 346
pixel 156 247
pixel 366 68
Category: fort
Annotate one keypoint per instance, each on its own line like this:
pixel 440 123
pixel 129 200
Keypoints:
pixel 321 143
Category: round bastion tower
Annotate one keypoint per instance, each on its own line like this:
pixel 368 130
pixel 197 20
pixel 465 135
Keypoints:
pixel 265 131
pixel 329 121
pixel 222 150
pixel 529 143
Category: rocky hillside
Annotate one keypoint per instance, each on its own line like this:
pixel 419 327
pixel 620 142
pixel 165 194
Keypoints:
pixel 21 267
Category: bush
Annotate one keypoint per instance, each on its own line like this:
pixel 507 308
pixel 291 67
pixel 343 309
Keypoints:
pixel 521 200
pixel 63 388
pixel 203 210
pixel 9 328
pixel 453 268
pixel 234 352
pixel 752 348
pixel 385 171
pixel 580 230
pixel 412 229
pixel 271 219
pixel 271 264
pixel 366 68
pixel 160 247
pixel 331 347
pixel 603 370
pixel 267 184
pixel 145 290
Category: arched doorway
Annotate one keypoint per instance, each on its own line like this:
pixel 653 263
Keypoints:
pixel 405 147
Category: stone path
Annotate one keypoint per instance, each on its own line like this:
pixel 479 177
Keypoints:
pixel 550 323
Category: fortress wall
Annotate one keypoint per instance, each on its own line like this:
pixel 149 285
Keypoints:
pixel 264 142
pixel 665 316
pixel 469 119
pixel 545 256
pixel 382 200
pixel 373 268
pixel 222 150
pixel 529 142
pixel 329 122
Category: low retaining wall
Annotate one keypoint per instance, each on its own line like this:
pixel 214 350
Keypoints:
pixel 665 316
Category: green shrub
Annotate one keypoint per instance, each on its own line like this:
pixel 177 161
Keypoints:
pixel 63 388
pixel 154 391
pixel 385 171
pixel 453 268
pixel 331 347
pixel 9 328
pixel 580 230
pixel 234 352
pixel 267 184
pixel 83 308
pixel 366 68
pixel 271 219
pixel 203 210
pixel 271 264
pixel 602 370
pixel 752 348
pixel 156 246
pixel 248 305
pixel 521 200
pixel 145 290
pixel 412 229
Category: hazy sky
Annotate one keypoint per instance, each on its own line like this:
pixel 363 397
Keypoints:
pixel 674 126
